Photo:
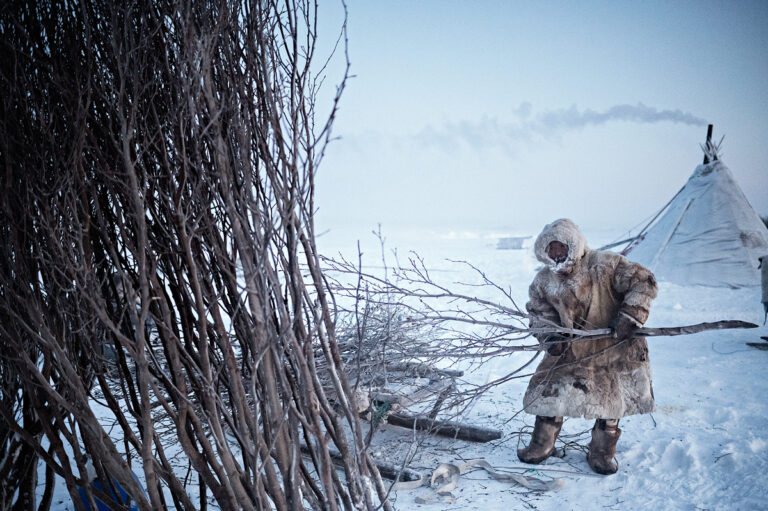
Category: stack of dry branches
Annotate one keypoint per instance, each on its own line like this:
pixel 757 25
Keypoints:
pixel 158 270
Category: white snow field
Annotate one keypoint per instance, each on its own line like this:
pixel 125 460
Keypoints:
pixel 706 446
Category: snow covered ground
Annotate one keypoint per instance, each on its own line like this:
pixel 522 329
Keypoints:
pixel 706 446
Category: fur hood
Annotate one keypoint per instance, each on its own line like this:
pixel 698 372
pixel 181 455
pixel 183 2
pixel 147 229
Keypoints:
pixel 567 233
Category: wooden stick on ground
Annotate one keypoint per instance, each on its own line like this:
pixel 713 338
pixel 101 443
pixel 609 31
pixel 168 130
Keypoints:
pixel 444 428
pixel 387 470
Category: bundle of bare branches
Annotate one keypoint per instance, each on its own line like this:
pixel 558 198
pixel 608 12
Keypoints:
pixel 158 163
pixel 441 324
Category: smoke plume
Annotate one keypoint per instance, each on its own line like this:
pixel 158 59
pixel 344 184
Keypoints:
pixel 573 118
pixel 526 124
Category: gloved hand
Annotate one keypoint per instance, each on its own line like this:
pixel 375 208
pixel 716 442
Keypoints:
pixel 554 347
pixel 625 326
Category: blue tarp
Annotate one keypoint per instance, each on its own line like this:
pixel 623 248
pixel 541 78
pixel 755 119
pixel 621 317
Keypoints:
pixel 121 497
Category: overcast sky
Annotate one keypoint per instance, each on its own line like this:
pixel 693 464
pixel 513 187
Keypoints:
pixel 506 115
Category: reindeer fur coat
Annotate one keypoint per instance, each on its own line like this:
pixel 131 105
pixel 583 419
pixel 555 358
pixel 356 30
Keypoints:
pixel 608 378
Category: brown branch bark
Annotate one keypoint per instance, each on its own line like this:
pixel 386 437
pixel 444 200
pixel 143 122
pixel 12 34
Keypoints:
pixel 605 333
pixel 157 166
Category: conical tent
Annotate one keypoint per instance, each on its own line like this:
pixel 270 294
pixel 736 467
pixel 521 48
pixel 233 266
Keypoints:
pixel 708 234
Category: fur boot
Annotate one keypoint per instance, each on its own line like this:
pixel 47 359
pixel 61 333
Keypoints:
pixel 602 448
pixel 542 446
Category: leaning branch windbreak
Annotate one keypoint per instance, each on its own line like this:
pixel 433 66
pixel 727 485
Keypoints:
pixel 158 164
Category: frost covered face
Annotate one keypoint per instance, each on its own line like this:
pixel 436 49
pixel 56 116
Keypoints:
pixel 561 246
pixel 557 252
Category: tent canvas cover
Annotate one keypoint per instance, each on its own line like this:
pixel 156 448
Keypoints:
pixel 708 234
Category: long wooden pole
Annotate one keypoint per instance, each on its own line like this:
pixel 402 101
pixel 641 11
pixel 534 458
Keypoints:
pixel 605 333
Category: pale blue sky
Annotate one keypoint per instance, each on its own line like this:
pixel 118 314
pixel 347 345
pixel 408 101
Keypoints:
pixel 506 115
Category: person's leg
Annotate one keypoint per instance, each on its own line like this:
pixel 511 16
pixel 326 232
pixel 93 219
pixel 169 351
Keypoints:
pixel 542 446
pixel 602 448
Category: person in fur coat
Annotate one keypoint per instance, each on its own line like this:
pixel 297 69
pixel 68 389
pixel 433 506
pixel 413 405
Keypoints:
pixel 607 379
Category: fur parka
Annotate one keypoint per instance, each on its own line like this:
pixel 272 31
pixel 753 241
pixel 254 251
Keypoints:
pixel 607 378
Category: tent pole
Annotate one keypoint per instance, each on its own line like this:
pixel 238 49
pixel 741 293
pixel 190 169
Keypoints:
pixel 707 143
